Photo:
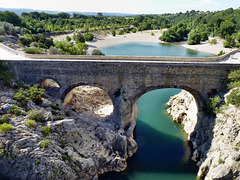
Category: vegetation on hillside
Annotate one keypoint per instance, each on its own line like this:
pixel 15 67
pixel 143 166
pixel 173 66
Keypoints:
pixel 194 25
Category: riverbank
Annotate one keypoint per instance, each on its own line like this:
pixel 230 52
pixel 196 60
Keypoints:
pixel 153 36
pixel 215 141
pixel 109 40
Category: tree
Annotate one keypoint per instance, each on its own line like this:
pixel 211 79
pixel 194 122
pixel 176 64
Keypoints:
pixel 230 42
pixel 79 38
pixel 113 32
pixel 226 28
pixel 97 52
pixel 194 37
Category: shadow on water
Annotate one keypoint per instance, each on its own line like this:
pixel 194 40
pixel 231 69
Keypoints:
pixel 157 153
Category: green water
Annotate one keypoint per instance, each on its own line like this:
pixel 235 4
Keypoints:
pixel 151 49
pixel 162 153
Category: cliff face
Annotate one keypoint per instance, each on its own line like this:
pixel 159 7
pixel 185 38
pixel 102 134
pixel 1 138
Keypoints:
pixel 80 147
pixel 216 141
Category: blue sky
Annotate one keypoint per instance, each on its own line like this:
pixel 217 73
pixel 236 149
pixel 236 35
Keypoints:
pixel 123 6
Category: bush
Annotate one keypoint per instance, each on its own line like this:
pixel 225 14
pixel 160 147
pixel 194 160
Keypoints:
pixel 36 115
pixel 120 32
pixel 32 50
pixel 26 94
pixel 5 75
pixel 234 97
pixel 46 130
pixel 31 123
pixel 79 38
pixel 213 41
pixel 69 49
pixel 68 39
pixel 44 143
pixel 55 107
pixel 5 128
pixel 4 119
pixel 221 53
pixel 34 44
pixel 212 106
pixel 88 36
pixel 16 111
pixel 113 32
pixel 234 77
pixel 54 50
pixel 97 52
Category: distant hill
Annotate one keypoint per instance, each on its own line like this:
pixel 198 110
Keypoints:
pixel 20 11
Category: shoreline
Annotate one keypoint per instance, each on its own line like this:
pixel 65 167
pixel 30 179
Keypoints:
pixel 145 36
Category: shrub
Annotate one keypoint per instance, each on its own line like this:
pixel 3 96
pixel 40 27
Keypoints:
pixel 36 115
pixel 32 50
pixel 55 107
pixel 46 130
pixel 212 106
pixel 113 32
pixel 234 77
pixel 5 128
pixel 213 41
pixel 68 39
pixel 221 53
pixel 16 111
pixel 54 50
pixel 4 119
pixel 234 97
pixel 88 36
pixel 79 38
pixel 31 123
pixel 120 32
pixel 37 162
pixel 5 75
pixel 97 52
pixel 44 143
pixel 61 117
pixel 34 44
pixel 27 93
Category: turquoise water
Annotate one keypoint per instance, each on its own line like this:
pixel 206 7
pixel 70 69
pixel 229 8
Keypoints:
pixel 162 153
pixel 151 49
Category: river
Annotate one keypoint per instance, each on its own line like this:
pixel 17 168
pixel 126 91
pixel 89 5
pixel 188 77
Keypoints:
pixel 151 49
pixel 163 152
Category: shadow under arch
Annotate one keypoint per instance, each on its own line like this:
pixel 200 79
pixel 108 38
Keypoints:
pixel 91 98
pixel 51 85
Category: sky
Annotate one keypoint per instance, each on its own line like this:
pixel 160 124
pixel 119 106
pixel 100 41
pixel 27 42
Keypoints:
pixel 123 6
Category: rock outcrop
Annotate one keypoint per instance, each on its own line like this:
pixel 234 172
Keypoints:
pixel 76 147
pixel 216 141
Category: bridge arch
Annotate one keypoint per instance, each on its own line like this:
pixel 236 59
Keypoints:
pixel 199 98
pixel 90 100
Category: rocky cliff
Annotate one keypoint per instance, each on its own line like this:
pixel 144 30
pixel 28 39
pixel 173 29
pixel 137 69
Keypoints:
pixel 216 141
pixel 75 147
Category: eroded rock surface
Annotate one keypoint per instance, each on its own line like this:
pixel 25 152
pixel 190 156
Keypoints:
pixel 79 147
pixel 216 141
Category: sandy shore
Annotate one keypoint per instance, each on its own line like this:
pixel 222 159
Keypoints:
pixel 207 47
pixel 110 40
pixel 146 36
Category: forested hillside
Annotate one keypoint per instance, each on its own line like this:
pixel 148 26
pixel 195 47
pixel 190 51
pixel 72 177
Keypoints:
pixel 194 25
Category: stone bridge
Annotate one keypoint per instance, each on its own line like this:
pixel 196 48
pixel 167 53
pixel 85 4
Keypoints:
pixel 125 81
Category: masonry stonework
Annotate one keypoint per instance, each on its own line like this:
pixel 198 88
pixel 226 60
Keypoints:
pixel 125 81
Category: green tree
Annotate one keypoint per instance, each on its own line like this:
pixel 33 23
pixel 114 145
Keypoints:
pixel 79 38
pixel 194 37
pixel 230 42
pixel 226 28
